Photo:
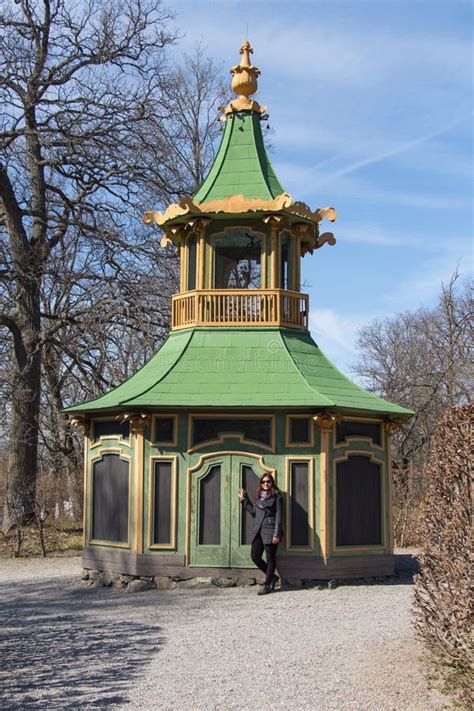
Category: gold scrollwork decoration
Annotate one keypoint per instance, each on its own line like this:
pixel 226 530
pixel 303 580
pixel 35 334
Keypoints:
pixel 83 424
pixel 392 425
pixel 325 421
pixel 325 238
pixel 139 421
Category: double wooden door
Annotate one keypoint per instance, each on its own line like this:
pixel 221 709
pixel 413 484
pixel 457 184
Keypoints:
pixel 220 527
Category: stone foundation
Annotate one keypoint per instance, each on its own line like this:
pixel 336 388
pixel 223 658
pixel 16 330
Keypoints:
pixel 134 583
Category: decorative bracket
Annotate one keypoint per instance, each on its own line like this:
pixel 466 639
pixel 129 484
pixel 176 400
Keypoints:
pixel 325 421
pixel 392 425
pixel 139 421
pixel 83 424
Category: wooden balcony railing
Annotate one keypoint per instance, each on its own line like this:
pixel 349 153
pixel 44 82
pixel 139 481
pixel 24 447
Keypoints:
pixel 229 307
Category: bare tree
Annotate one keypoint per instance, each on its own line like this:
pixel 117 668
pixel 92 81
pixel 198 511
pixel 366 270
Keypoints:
pixel 77 82
pixel 421 360
pixel 108 309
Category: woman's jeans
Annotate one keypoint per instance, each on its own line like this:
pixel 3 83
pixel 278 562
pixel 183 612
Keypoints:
pixel 256 553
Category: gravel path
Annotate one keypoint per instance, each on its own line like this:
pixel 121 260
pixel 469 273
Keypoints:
pixel 69 647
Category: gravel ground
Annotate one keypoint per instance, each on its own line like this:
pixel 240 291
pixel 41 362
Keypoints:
pixel 65 646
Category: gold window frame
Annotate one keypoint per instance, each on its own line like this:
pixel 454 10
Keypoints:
pixel 348 440
pixel 385 510
pixel 174 501
pixel 105 438
pixel 90 493
pixel 230 435
pixel 162 443
pixel 299 445
pixel 310 548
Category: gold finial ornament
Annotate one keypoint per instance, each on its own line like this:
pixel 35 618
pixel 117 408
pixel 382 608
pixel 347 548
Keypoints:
pixel 244 83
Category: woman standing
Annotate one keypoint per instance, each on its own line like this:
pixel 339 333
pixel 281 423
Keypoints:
pixel 267 528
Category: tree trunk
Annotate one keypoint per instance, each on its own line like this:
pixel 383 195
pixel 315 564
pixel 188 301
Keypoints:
pixel 23 445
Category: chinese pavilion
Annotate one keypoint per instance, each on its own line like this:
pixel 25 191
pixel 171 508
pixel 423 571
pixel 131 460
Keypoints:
pixel 239 388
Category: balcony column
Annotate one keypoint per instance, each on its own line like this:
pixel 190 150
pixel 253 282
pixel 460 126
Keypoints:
pixel 274 222
pixel 300 231
pixel 200 227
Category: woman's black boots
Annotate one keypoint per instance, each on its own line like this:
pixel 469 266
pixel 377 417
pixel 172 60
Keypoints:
pixel 270 587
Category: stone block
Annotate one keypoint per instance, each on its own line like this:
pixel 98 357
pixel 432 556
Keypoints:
pixel 224 582
pixel 246 582
pixel 193 583
pixel 126 578
pixel 291 583
pixel 102 579
pixel 137 586
pixel 162 582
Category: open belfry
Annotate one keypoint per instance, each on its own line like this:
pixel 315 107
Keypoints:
pixel 238 389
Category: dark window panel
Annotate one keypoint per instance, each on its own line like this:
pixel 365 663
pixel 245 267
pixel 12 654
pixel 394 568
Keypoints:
pixel 284 262
pixel 300 432
pixel 250 484
pixel 192 250
pixel 164 429
pixel 358 502
pixel 299 504
pixel 111 428
pixel 163 504
pixel 210 507
pixel 353 428
pixel 110 499
pixel 238 261
pixel 259 430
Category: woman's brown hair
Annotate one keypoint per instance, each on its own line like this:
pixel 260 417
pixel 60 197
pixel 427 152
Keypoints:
pixel 272 491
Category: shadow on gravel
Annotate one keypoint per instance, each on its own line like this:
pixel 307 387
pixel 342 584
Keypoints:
pixel 57 652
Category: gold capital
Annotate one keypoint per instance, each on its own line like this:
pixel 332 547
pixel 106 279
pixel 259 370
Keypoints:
pixel 325 421
pixel 83 424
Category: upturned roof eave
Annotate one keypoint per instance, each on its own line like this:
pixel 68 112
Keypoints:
pixel 172 379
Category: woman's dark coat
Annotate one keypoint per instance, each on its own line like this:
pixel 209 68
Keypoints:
pixel 268 517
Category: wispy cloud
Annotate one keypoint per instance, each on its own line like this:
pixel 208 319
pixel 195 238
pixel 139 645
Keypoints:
pixel 336 334
pixel 423 286
pixel 378 158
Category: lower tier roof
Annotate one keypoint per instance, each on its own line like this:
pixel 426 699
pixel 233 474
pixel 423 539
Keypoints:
pixel 240 367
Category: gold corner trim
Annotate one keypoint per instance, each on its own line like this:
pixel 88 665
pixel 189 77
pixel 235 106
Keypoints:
pixel 324 529
pixel 85 494
pixel 139 447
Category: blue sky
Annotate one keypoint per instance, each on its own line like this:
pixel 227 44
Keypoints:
pixel 371 108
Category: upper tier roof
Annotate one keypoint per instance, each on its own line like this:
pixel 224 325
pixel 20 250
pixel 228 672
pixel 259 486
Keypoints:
pixel 241 367
pixel 242 165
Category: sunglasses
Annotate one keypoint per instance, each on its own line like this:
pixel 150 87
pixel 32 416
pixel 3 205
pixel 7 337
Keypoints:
pixel 266 481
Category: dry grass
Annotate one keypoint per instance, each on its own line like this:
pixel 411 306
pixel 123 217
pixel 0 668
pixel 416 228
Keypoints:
pixel 59 537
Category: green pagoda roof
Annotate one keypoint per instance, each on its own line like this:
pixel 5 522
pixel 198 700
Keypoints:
pixel 241 367
pixel 242 165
